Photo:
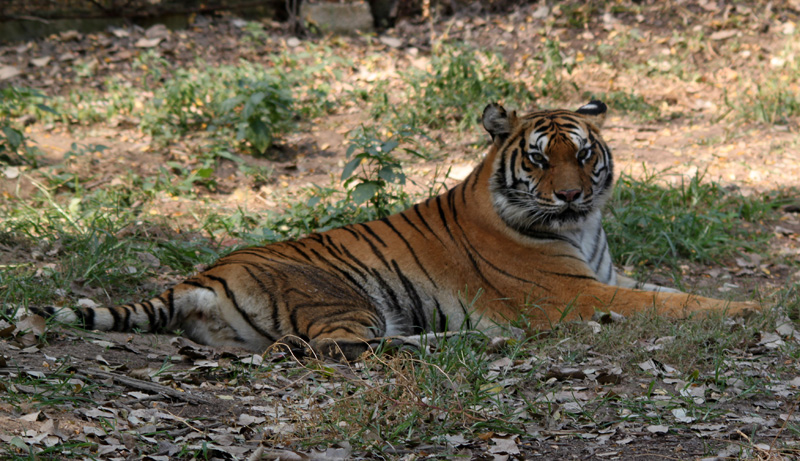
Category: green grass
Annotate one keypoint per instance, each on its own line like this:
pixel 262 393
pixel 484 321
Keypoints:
pixel 771 101
pixel 649 223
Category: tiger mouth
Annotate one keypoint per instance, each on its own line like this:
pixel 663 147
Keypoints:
pixel 568 214
pixel 571 214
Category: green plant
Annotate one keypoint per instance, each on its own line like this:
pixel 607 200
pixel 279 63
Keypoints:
pixel 650 223
pixel 14 145
pixel 79 150
pixel 259 110
pixel 772 102
pixel 552 67
pixel 374 173
pixel 461 83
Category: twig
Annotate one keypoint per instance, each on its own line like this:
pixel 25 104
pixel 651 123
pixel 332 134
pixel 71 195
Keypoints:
pixel 147 386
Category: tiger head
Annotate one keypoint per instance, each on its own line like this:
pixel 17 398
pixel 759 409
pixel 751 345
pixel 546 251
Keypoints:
pixel 551 169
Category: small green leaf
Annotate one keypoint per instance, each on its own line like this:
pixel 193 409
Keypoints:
pixel 228 155
pixel 364 192
pixel 230 103
pixel 252 104
pixel 46 108
pixel 391 173
pixel 204 173
pixel 389 146
pixel 13 136
pixel 259 135
pixel 350 167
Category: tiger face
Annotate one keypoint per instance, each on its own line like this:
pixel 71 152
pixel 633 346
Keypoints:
pixel 552 170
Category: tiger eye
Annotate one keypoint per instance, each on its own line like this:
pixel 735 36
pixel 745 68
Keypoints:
pixel 538 158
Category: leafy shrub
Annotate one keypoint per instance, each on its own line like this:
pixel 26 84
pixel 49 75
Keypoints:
pixel 373 187
pixel 14 146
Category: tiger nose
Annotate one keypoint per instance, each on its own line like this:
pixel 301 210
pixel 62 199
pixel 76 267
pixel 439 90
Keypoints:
pixel 568 195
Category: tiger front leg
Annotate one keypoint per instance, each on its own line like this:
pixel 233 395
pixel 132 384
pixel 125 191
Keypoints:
pixel 596 296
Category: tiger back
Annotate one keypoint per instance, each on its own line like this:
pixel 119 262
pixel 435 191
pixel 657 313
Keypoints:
pixel 521 235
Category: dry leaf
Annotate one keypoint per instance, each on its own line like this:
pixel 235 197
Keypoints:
pixel 657 429
pixel 724 34
pixel 148 42
pixel 41 62
pixel 7 72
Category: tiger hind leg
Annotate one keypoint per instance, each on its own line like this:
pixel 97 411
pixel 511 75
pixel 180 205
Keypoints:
pixel 291 303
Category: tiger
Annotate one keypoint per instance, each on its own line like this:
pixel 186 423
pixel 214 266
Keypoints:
pixel 520 237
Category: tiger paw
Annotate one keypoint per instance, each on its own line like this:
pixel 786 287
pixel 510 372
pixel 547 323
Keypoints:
pixel 743 309
pixel 342 350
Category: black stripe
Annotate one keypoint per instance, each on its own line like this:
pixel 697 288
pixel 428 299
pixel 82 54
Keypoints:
pixel 451 199
pixel 425 223
pixel 372 233
pixel 86 317
pixel 329 245
pixel 572 127
pixel 147 306
pixel 170 304
pixel 604 245
pixel 377 277
pixel 273 303
pixel 562 274
pixel 115 316
pixel 502 170
pixel 419 323
pixel 596 246
pixel 299 251
pixel 232 297
pixel 443 217
pixel 194 283
pixel 478 271
pixel 351 231
pixel 410 249
pixel 346 274
pixel 442 326
pixel 126 317
pixel 463 188
pixel 375 250
pixel 476 174
pixel 408 221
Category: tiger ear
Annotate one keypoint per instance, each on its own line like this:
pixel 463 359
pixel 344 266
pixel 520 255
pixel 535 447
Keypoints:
pixel 595 111
pixel 498 122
